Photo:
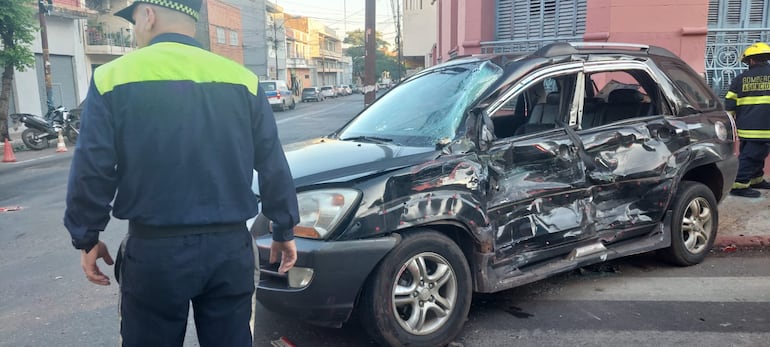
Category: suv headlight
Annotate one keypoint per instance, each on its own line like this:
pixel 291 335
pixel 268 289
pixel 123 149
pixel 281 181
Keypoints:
pixel 321 211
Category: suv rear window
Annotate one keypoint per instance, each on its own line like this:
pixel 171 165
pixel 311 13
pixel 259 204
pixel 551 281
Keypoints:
pixel 267 86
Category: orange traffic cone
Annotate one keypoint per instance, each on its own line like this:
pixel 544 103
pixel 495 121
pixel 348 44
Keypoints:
pixel 8 156
pixel 60 146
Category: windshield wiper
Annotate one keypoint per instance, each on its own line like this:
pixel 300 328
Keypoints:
pixel 373 139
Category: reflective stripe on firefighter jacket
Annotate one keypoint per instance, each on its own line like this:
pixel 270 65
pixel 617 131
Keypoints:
pixel 749 98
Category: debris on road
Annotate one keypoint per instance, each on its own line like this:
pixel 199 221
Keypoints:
pixel 282 342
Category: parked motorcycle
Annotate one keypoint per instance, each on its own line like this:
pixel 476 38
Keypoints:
pixel 40 130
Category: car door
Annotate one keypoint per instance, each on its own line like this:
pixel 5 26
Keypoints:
pixel 633 144
pixel 537 198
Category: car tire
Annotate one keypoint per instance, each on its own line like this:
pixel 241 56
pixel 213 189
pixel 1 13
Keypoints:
pixel 694 224
pixel 34 139
pixel 445 274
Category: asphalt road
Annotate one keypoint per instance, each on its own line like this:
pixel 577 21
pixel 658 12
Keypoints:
pixel 45 299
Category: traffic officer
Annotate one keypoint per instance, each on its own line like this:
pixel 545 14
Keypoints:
pixel 177 131
pixel 749 100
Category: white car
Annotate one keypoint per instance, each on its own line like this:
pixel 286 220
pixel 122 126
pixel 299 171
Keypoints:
pixel 329 92
pixel 278 94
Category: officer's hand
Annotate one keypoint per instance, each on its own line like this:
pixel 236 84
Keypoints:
pixel 88 262
pixel 287 250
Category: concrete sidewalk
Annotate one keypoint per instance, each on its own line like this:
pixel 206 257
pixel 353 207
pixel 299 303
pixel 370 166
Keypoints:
pixel 744 223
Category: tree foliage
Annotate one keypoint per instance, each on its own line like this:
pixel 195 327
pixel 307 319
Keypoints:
pixel 357 51
pixel 17 31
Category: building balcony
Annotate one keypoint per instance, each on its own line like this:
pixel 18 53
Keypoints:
pixel 297 63
pixel 325 54
pixel 102 40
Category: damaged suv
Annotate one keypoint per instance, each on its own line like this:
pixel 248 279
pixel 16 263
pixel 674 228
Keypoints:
pixel 488 172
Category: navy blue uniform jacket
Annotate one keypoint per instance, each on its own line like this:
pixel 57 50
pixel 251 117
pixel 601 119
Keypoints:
pixel 749 97
pixel 176 130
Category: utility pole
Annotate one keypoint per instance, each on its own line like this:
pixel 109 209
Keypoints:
pixel 370 60
pixel 400 59
pixel 44 8
pixel 275 44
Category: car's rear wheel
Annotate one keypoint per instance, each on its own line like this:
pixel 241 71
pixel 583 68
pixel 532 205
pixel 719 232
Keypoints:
pixel 419 294
pixel 694 224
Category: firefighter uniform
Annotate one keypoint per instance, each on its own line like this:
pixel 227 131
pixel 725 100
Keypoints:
pixel 749 99
pixel 177 131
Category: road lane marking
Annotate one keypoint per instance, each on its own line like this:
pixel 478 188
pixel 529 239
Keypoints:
pixel 687 289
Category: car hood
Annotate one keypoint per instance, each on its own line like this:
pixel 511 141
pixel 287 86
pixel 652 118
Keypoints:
pixel 326 160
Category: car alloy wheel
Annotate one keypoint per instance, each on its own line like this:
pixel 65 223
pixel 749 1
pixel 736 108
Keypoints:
pixel 419 294
pixel 424 294
pixel 694 224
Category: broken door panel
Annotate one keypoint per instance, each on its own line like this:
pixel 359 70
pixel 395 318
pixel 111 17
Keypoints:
pixel 634 165
pixel 537 196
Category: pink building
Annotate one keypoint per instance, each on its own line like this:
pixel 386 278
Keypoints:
pixel 468 27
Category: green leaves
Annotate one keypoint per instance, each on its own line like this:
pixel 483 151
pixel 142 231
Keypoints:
pixel 17 32
pixel 357 51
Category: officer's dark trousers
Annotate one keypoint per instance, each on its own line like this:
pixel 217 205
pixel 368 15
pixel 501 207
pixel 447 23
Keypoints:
pixel 751 161
pixel 159 277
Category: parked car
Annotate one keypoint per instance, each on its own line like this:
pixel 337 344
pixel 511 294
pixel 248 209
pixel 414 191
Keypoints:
pixel 486 173
pixel 312 93
pixel 329 92
pixel 344 89
pixel 278 94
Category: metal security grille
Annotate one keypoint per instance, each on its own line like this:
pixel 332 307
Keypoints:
pixel 733 25
pixel 62 81
pixel 526 25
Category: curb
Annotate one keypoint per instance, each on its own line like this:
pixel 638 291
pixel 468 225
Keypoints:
pixel 741 242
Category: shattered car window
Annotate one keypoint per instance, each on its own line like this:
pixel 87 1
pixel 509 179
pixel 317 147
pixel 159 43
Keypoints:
pixel 426 110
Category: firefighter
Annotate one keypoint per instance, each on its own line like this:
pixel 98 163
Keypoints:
pixel 749 101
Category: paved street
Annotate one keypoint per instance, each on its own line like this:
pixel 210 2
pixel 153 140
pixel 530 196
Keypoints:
pixel 45 299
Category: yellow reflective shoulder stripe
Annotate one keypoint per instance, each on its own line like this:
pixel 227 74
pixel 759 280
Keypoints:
pixel 731 96
pixel 754 134
pixel 177 62
pixel 753 100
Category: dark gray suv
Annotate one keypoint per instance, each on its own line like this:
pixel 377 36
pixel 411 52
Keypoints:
pixel 488 172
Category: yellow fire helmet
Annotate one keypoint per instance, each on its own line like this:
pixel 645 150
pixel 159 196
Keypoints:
pixel 759 48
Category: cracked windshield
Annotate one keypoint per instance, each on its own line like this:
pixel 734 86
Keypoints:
pixel 426 109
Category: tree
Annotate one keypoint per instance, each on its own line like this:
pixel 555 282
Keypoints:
pixel 17 31
pixel 357 51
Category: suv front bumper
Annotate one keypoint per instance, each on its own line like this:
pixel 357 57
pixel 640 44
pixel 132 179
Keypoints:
pixel 340 269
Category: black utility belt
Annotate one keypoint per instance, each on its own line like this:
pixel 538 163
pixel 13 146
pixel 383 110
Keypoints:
pixel 155 231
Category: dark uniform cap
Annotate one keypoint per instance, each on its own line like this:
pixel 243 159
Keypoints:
pixel 189 7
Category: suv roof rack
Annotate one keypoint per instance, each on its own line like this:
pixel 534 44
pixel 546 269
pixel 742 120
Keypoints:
pixel 564 48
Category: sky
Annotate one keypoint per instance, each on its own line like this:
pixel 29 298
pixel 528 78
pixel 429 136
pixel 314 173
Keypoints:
pixel 344 15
